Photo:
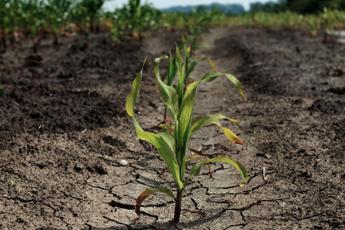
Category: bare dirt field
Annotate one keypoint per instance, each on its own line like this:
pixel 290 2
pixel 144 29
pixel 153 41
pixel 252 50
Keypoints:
pixel 64 135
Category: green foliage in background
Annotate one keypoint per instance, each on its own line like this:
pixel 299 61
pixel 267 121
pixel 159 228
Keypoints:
pixel 133 19
pixel 35 18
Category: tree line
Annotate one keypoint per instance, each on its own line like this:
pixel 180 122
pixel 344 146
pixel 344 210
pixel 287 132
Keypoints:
pixel 299 6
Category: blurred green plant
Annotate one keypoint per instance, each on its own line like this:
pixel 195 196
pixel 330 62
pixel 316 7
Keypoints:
pixel 133 19
pixel 33 19
pixel 172 141
pixel 90 11
pixel 58 15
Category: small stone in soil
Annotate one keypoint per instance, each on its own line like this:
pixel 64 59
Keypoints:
pixel 123 162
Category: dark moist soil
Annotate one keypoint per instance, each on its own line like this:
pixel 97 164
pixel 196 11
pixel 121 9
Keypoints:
pixel 69 158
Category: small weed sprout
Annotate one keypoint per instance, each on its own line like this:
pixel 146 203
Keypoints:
pixel 172 142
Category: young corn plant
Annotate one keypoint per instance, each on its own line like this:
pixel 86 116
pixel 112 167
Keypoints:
pixel 172 141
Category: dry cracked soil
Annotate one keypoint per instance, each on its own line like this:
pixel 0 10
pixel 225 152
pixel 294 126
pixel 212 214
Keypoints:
pixel 69 158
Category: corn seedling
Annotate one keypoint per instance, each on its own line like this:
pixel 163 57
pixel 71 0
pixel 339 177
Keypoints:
pixel 172 142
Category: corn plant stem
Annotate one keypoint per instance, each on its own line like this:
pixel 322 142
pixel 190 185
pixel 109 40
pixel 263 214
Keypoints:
pixel 178 203
pixel 165 115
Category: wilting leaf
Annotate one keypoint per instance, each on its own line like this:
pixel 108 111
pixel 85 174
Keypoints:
pixel 221 159
pixel 237 84
pixel 203 121
pixel 148 192
pixel 210 76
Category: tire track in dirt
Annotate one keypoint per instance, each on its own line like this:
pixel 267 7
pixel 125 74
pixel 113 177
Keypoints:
pixel 290 130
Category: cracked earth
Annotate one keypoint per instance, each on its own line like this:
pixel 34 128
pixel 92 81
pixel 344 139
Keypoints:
pixel 69 158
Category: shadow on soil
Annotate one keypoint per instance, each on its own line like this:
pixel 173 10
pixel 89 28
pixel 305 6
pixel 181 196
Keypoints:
pixel 168 225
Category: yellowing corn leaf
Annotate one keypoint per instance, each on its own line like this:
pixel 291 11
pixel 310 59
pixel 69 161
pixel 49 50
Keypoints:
pixel 231 135
pixel 221 159
pixel 147 193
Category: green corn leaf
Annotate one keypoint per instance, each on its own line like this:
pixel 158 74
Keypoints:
pixel 164 146
pixel 182 133
pixel 168 93
pixel 181 74
pixel 221 159
pixel 159 141
pixel 207 120
pixel 168 139
pixel 178 55
pixel 133 95
pixel 211 76
pixel 149 192
pixel 186 113
pixel 171 70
